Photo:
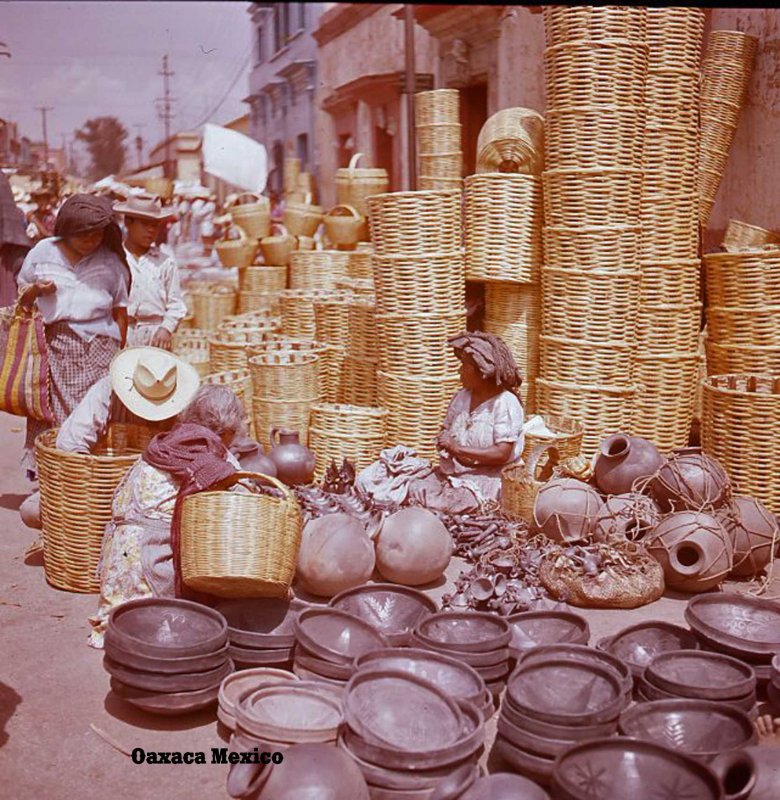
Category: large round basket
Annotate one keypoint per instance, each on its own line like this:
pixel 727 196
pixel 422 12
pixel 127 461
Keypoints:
pixel 211 306
pixel 741 236
pixel 228 348
pixel 563 24
pixel 437 107
pixel 360 264
pixel 298 320
pixel 285 375
pixel 331 316
pixel 317 269
pixel 192 345
pixel 240 544
pixel 520 483
pixel 265 302
pixel 263 279
pixel 741 429
pixel 240 381
pixel 512 140
pixel 252 213
pixel 77 491
pixel 354 184
pixel 239 252
pixel 568 437
pixel 747 279
pixel 358 384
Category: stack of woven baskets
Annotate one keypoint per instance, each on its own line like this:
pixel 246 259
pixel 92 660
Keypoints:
pixel 667 361
pixel 596 68
pixel 259 287
pixel 438 132
pixel 420 287
pixel 503 233
pixel 331 319
pixel 317 269
pixel 346 224
pixel 728 64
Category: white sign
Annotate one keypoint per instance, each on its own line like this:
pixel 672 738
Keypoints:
pixel 235 158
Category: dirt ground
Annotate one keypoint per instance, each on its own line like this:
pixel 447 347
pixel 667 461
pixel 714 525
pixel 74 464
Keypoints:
pixel 54 694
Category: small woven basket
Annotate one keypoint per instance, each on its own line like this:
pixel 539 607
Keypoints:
pixel 745 280
pixel 740 236
pixel 162 187
pixel 520 483
pixel 239 252
pixel 344 225
pixel 211 306
pixel 512 140
pixel 263 279
pixel 278 248
pixel 437 107
pixel 241 544
pixel 252 212
pixel 302 219
pixel 568 437
pixel 317 269
pixel 355 184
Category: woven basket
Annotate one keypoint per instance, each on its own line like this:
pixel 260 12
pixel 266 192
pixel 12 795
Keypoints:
pixel 360 264
pixel 587 197
pixel 670 155
pixel 278 249
pixel 520 483
pixel 298 320
pixel 241 544
pixel 361 287
pixel 343 225
pixel 503 228
pixel 731 45
pixel 740 236
pixel 564 23
pixel 267 302
pixel 512 140
pixel 433 283
pixel 354 184
pixel 668 328
pixel 239 252
pixel 568 437
pixel 746 280
pixel 362 329
pixel 228 349
pixel 441 165
pixel 162 187
pixel 192 346
pixel 727 358
pixel 674 36
pixel 429 183
pixel 670 227
pixel 339 431
pixel 751 327
pixel 590 304
pixel 513 313
pixel 673 95
pixel 291 169
pixel 358 385
pixel 741 429
pixel 290 414
pixel 77 491
pixel 263 279
pixel 437 107
pixel 240 381
pixel 302 219
pixel 253 215
pixel 440 138
pixel 211 306
pixel 331 315
pixel 317 269
pixel 285 375
pixel 415 223
pixel 601 247
pixel 582 361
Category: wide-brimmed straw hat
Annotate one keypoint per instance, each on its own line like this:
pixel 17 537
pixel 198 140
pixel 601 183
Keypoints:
pixel 152 383
pixel 147 206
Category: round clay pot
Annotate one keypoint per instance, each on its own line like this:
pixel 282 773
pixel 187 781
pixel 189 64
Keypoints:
pixel 239 683
pixel 752 530
pixel 549 730
pixel 689 481
pixel 294 462
pixel 252 457
pixel 694 550
pixel 565 509
pixel 626 517
pixel 504 786
pixel 624 461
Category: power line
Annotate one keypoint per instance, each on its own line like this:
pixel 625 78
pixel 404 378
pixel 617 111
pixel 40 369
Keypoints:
pixel 44 110
pixel 224 97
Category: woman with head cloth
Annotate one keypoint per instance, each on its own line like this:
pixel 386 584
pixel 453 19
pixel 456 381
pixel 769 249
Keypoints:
pixel 80 280
pixel 482 430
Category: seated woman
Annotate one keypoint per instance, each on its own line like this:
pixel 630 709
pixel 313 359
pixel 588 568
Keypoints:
pixel 138 552
pixel 482 431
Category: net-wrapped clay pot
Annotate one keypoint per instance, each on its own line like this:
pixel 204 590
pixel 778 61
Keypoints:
pixel 753 532
pixel 565 509
pixel 624 460
pixel 689 481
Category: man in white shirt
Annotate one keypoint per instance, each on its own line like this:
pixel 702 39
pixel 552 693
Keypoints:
pixel 156 304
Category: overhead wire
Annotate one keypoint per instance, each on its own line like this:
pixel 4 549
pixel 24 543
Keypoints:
pixel 244 65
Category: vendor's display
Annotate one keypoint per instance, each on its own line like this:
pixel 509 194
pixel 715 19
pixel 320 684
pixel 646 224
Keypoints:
pixel 298 320
pixel 240 683
pixel 690 480
pixel 237 248
pixel 626 517
pixel 520 483
pixel 438 137
pixel 251 213
pixel 269 279
pixel 278 248
pixel 564 510
pixel 354 184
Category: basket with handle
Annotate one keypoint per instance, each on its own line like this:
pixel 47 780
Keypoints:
pixel 520 483
pixel 512 140
pixel 568 436
pixel 278 248
pixel 302 219
pixel 354 184
pixel 241 544
pixel 239 252
pixel 343 225
pixel 253 213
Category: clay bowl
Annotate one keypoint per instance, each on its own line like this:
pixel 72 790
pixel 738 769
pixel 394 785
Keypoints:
pixel 457 782
pixel 162 682
pixel 166 704
pixel 549 730
pixel 464 632
pixel 307 675
pixel 228 720
pixel 265 623
pixel 537 768
pixel 701 728
pixel 459 680
pixel 737 624
pixel 200 663
pixel 566 692
pixel 503 786
pixel 631 768
pixel 499 672
pixel 237 684
pixel 530 742
pixel 639 644
pixel 336 636
pixel 393 610
pixel 167 628
pixel 378 793
pixel 260 658
pixel 535 628
pixel 702 675
pixel 648 691
pixel 490 658
pixel 337 672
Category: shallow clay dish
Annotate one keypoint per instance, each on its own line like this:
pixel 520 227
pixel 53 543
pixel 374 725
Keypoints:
pixel 166 704
pixel 239 683
pixel 265 623
pixel 161 682
pixel 534 628
pixel 464 631
pixel 336 636
pixel 489 658
pixel 701 728
pixel 457 782
pixel 550 730
pixel 260 658
pixel 307 675
pixel 608 769
pixel 167 665
pixel 537 768
pixel 166 627
pixel 338 672
pixel 530 742
pixel 639 644
pixel 649 691
pixel 393 610
pixel 702 675
pixel 504 786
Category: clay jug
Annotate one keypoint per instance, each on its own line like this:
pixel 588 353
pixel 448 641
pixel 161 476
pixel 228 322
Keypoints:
pixel 623 460
pixel 294 462
pixel 690 480
pixel 252 457
pixel 694 550
pixel 565 509
pixel 626 517
pixel 753 772
pixel 752 530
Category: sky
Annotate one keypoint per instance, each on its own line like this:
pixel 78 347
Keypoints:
pixel 88 59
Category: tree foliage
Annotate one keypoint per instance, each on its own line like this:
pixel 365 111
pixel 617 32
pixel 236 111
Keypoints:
pixel 104 138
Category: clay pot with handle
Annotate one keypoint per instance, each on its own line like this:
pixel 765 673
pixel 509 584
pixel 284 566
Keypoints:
pixel 623 460
pixel 752 773
pixel 294 461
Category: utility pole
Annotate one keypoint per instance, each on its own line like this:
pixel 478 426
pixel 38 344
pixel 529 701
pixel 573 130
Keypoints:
pixel 44 110
pixel 164 111
pixel 139 143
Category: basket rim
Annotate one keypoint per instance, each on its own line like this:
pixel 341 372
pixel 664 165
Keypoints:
pixel 739 254
pixel 350 408
pixel 301 357
pixel 41 443
pixel 616 344
pixel 417 194
pixel 708 384
pixel 511 177
pixel 598 272
pixel 751 310
pixel 593 171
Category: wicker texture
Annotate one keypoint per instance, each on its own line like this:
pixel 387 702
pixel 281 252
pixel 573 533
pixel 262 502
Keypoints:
pixel 241 544
pixel 262 279
pixel 741 236
pixel 211 306
pixel 76 503
pixel 674 36
pixel 568 437
pixel 267 302
pixel 601 247
pixel 362 287
pixel 727 358
pixel 436 107
pixel 317 269
pixel 668 328
pixel 512 141
pixel 302 218
pixel 331 315
pixel 563 23
pixel 253 216
pixel 741 429
pixel 359 381
pixel 417 344
pixel 237 252
pixel 228 349
pixel 362 329
pixel 745 326
pixel 194 350
pixel 436 184
pixel 503 228
pixel 298 320
pixel 425 283
pixel 583 361
pixel 750 279
pixel 280 375
pixel 360 264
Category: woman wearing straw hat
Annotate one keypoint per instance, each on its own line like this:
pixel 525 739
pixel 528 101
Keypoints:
pixel 156 305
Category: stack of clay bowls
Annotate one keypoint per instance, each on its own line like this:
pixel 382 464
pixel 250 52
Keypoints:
pixel 555 702
pixel 392 609
pixel 260 631
pixel 235 686
pixel 696 674
pixel 478 639
pixel 744 627
pixel 327 642
pixel 532 629
pixel 407 735
pixel 773 686
pixel 166 656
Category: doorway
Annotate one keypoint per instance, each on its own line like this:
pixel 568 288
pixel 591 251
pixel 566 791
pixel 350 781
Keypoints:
pixel 473 114
pixel 384 145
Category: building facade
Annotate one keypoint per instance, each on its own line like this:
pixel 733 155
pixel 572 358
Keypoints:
pixel 282 84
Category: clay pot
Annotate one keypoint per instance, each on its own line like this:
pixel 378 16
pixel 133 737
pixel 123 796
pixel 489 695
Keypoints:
pixel 413 547
pixel 30 511
pixel 565 509
pixel 752 530
pixel 690 480
pixel 628 516
pixel 504 786
pixel 335 555
pixel 623 460
pixel 294 462
pixel 753 772
pixel 693 549
pixel 252 457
